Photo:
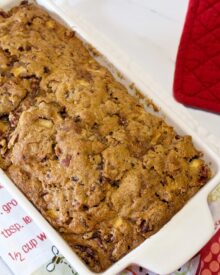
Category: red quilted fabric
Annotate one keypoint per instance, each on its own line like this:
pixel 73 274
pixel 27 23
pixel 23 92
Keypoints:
pixel 197 75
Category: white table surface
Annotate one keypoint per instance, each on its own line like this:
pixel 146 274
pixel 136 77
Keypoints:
pixel 149 32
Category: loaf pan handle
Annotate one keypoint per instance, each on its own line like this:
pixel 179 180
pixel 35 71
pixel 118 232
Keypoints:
pixel 179 240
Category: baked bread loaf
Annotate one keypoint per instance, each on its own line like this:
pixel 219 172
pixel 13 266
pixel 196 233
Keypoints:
pixel 103 171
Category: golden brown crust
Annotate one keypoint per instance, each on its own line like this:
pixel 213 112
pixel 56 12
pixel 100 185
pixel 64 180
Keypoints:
pixel 104 172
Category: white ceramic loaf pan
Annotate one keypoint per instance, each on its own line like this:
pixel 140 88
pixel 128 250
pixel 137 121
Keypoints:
pixel 191 227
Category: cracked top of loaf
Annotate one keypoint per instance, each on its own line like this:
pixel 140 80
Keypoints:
pixel 103 171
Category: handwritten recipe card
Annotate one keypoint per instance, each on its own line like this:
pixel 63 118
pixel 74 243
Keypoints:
pixel 25 248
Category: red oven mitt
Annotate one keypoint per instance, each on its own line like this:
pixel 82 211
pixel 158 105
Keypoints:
pixel 197 75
